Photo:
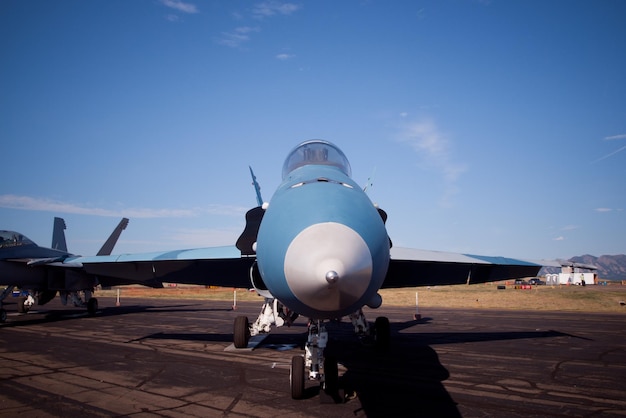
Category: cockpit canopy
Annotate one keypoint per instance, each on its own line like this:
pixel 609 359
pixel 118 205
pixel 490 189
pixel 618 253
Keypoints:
pixel 317 152
pixel 13 239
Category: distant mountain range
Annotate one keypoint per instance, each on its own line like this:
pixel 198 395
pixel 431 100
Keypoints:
pixel 610 267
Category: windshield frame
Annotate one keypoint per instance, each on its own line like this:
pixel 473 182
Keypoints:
pixel 13 239
pixel 316 152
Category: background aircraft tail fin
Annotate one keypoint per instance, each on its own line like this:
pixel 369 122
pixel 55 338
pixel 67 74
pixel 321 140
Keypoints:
pixel 107 248
pixel 58 235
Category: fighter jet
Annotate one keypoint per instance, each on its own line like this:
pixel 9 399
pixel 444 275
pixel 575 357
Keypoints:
pixel 318 249
pixel 42 272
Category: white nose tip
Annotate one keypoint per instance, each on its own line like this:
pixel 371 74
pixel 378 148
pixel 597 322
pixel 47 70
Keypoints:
pixel 332 277
pixel 328 266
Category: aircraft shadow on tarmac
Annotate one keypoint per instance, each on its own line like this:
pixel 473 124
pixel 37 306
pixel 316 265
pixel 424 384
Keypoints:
pixel 215 337
pixel 407 378
pixel 275 340
pixel 40 315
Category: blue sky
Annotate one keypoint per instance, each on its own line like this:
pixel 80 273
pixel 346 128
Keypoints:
pixel 488 127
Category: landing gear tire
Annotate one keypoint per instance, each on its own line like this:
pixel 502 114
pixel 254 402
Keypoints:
pixel 92 306
pixel 382 333
pixel 296 377
pixel 331 377
pixel 21 308
pixel 241 332
pixel 3 315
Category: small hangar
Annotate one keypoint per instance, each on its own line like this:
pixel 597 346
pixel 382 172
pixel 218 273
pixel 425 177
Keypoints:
pixel 573 274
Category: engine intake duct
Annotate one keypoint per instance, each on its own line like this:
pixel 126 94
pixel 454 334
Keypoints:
pixel 248 236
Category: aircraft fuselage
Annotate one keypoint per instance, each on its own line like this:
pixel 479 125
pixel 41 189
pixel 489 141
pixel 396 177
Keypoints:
pixel 322 247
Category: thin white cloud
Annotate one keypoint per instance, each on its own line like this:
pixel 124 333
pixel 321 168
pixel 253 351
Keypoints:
pixel 604 210
pixel 434 150
pixel 284 57
pixel 614 137
pixel 433 146
pixel 610 154
pixel 561 238
pixel 180 6
pixel 271 8
pixel 259 11
pixel 569 227
pixel 9 201
pixel 238 36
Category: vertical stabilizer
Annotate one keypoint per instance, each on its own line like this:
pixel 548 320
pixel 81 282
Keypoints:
pixel 58 235
pixel 107 248
pixel 257 188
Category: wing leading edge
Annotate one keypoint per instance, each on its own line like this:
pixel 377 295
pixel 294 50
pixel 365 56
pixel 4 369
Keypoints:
pixel 410 267
pixel 217 266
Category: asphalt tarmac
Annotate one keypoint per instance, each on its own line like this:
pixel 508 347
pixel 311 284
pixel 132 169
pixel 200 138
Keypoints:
pixel 170 358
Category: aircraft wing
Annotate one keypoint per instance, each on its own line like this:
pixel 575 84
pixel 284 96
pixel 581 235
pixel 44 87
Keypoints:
pixel 224 266
pixel 216 266
pixel 410 267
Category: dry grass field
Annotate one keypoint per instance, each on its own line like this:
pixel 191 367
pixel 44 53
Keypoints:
pixel 610 298
pixel 488 296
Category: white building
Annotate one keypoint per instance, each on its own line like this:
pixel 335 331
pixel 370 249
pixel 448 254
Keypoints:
pixel 574 274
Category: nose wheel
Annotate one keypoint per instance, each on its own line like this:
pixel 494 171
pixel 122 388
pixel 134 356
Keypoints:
pixel 296 377
pixel 382 332
pixel 320 368
pixel 331 377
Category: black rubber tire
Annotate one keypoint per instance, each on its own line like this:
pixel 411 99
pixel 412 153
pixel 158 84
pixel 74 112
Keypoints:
pixel 296 377
pixel 331 376
pixel 383 333
pixel 241 332
pixel 20 305
pixel 92 306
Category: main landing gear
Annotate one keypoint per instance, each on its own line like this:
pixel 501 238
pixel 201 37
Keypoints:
pixel 315 364
pixel 24 303
pixel 74 297
pixel 272 313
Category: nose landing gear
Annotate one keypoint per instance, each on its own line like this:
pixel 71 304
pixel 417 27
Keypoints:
pixel 325 368
pixel 322 369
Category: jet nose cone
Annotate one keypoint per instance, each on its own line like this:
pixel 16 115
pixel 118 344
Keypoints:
pixel 328 267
